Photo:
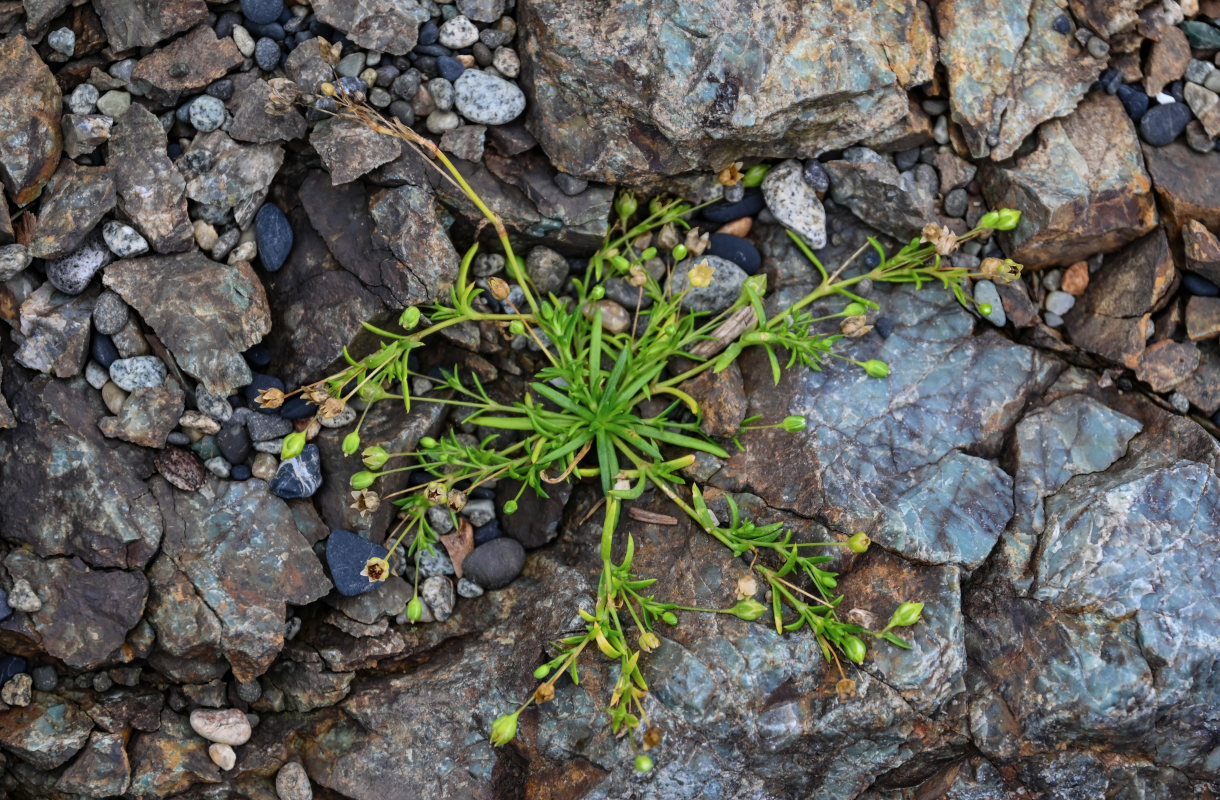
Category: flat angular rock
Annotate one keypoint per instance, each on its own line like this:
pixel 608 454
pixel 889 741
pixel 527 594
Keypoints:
pixel 144 23
pixel 241 549
pixel 1203 318
pixel 349 150
pixel 1034 73
pixel 188 64
pixel 1202 250
pixel 148 415
pixel 1166 364
pixel 388 26
pixel 85 614
pixel 253 122
pixel 791 92
pixel 346 556
pixel 170 759
pixel 1111 318
pixel 47 732
pixel 83 133
pixel 56 330
pixel 239 176
pixel 30 137
pixel 86 497
pixel 1167 61
pixel 1082 191
pixel 300 476
pixel 407 222
pixel 74 201
pixel 1187 183
pixel 151 191
pixel 1202 387
pixel 102 769
pixel 206 313
pixel 879 196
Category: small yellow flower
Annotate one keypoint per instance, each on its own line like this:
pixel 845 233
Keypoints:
pixel 701 274
pixel 1003 269
pixel 649 641
pixel 376 569
pixel 436 494
pixel 270 398
pixel 366 502
pixel 943 239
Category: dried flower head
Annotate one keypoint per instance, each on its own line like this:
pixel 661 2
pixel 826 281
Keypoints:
pixel 845 689
pixel 854 326
pixel 316 393
pixel 940 237
pixel 701 274
pixel 649 641
pixel 270 398
pixel 376 569
pixel 747 586
pixel 366 502
pixel 436 494
pixel 498 287
pixel 667 237
pixel 456 500
pixel 730 175
pixel 652 738
pixel 332 407
pixel 283 97
pixel 696 242
pixel 636 276
pixel 1002 269
pixel 544 693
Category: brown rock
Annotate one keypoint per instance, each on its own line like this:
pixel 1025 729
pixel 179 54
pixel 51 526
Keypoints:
pixel 955 171
pixel 1019 309
pixel 181 468
pixel 84 132
pixel 1082 191
pixel 1167 61
pixel 187 64
pixel 150 188
pixel 1187 183
pixel 1206 106
pixel 1112 316
pixel 148 415
pixel 1203 318
pixel 1107 17
pixel 46 733
pixel 722 400
pixel 349 150
pixel 1202 387
pixel 390 26
pixel 738 227
pixel 143 23
pixel 1202 250
pixel 56 329
pixel 252 122
pixel 74 201
pixel 1166 364
pixel 1075 279
pixel 101 770
pixel 30 137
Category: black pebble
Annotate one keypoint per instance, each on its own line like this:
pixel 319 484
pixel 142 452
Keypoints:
pixel 258 356
pixel 1199 286
pixel 437 50
pixel 11 666
pixel 426 65
pixel 5 610
pixel 485 533
pixel 262 11
pixel 221 89
pixel 884 326
pixel 736 249
pixel 233 442
pixel 1110 80
pixel 267 54
pixel 103 351
pixel 495 564
pixel 1134 101
pixel 1062 25
pixel 723 211
pixel 346 556
pixel 482 493
pixel 240 472
pixel 297 407
pixel 872 259
pixel 816 176
pixel 429 32
pixel 1161 124
pixel 274 236
pixel 225 23
pixel 173 150
pixel 904 160
pixel 449 68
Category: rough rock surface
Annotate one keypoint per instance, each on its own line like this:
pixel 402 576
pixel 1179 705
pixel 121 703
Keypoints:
pixel 56 330
pixel 206 313
pixel 188 64
pixel 389 26
pixel 150 189
pixel 74 201
pixel 1082 191
pixel 30 136
pixel 143 23
pixel 682 85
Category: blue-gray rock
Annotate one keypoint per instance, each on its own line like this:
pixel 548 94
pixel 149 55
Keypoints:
pixel 723 290
pixel 262 12
pixel 495 564
pixel 13 259
pixel 1162 123
pixel 736 249
pixel 267 54
pixel 141 371
pixel 487 100
pixel 151 190
pixel 881 197
pixel 386 27
pixel 233 441
pixel 73 203
pixel 300 476
pixel 206 113
pixel 985 293
pixel 265 427
pixel 274 237
pixel 62 40
pixel 482 10
pixel 346 556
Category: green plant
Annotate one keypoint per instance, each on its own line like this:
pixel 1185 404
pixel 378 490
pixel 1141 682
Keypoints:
pixel 582 417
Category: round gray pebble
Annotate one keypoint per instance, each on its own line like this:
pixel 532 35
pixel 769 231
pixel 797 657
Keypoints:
pixel 141 371
pixel 123 240
pixel 795 203
pixel 486 99
pixel 956 202
pixel 495 564
pixel 207 113
pixel 83 98
pixel 213 405
pixel 72 273
pixel 437 592
pixel 62 40
pixel 110 313
pixel 469 589
pixel 458 33
pixel 985 292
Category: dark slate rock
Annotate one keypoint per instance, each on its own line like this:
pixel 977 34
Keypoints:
pixel 274 236
pixel 73 203
pixel 55 328
pixel 349 149
pixel 1199 286
pixel 186 65
pixel 1162 123
pixel 495 564
pixel 736 249
pixel 6 610
pixel 240 472
pixel 297 407
pixel 102 350
pixel 102 769
pixel 1134 101
pixel 151 191
pixel 300 476
pixel 233 441
pixel 1110 80
pixel 723 211
pixel 46 733
pixel 258 356
pixel 252 122
pixel 485 533
pixel 10 666
pixel 429 32
pixel 537 519
pixel 385 27
pixel 1062 25
pixel 272 30
pixel 138 23
pixel 346 555
pixel 449 67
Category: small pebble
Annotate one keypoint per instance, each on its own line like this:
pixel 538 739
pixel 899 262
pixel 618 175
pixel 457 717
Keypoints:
pixel 96 375
pixel 300 476
pixel 138 372
pixel 955 203
pixel 205 235
pixel 45 678
pixel 267 54
pixel 794 202
pixel 223 726
pixel 218 467
pixel 222 756
pixel 1059 303
pixel 507 61
pixel 113 397
pixel 14 258
pixel 1161 124
pixel 62 40
pixel 487 100
pixel 495 564
pixel 292 783
pixel 83 99
pixel 1199 286
pixel 985 292
pixel 458 33
pixel 123 240
pixel 206 113
pixel 18 690
pixel 274 235
pixel 23 598
pixel 114 103
pixel 469 589
pixel 110 313
pixel 1134 101
pixel 73 273
pixel 438 593
pixel 244 41
pixel 1052 319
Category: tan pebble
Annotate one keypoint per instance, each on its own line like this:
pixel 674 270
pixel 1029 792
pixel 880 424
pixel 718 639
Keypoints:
pixel 312 429
pixel 199 422
pixel 738 227
pixel 221 725
pixel 369 76
pixel 265 466
pixel 205 235
pixel 130 341
pixel 1076 279
pixel 466 60
pixel 223 756
pixel 243 252
pixel 291 783
pixel 615 318
pixel 113 397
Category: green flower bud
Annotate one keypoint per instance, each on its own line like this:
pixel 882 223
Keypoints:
pixel 415 609
pixel 651 252
pixel 643 763
pixel 793 424
pixel 363 479
pixel 679 251
pixel 510 507
pixel 859 542
pixel 597 292
pixel 670 617
pixel 375 457
pixel 989 220
pixel 427 442
pixel 625 205
pixel 854 648
pixel 516 327
pixel 504 729
pixel 542 672
pixel 621 264
pixel 293 444
pixel 876 369
pixel 748 609
pixel 351 443
pixel 853 309
pixel 1009 217
pixel 409 318
pixel 985 309
pixel 906 615
pixel 754 175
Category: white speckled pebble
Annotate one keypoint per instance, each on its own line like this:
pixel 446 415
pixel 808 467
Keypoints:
pixel 486 99
pixel 141 371
pixel 795 203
